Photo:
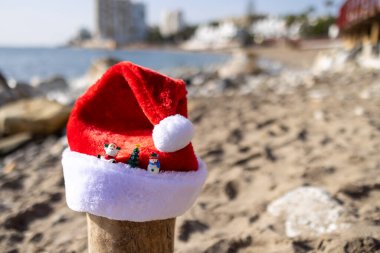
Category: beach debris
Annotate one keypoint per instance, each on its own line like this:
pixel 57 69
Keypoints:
pixel 308 211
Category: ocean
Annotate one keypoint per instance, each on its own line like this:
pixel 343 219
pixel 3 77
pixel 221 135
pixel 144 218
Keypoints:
pixel 23 64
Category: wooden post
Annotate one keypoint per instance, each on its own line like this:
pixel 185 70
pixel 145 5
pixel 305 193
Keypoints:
pixel 375 33
pixel 111 236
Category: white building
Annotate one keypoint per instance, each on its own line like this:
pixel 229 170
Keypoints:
pixel 275 28
pixel 121 21
pixel 171 23
pixel 223 35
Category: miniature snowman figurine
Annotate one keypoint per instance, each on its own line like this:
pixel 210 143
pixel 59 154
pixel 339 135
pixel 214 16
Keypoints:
pixel 154 163
pixel 111 152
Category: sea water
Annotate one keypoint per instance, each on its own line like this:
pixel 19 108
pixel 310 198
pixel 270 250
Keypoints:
pixel 23 64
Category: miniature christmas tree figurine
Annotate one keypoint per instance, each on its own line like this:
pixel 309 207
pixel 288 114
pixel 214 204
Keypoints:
pixel 111 152
pixel 154 163
pixel 134 159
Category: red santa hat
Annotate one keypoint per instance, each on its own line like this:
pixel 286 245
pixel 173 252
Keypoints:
pixel 128 105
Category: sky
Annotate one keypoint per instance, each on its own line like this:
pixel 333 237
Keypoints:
pixel 52 22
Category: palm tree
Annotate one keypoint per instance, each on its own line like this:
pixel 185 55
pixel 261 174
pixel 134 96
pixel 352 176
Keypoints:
pixel 329 4
pixel 310 10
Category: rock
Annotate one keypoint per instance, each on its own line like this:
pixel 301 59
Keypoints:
pixel 359 111
pixel 5 97
pixel 24 90
pixel 17 90
pixel 308 211
pixel 242 63
pixel 368 62
pixel 35 116
pixel 99 67
pixel 54 88
pixel 51 84
pixel 10 143
pixel 330 61
pixel 6 94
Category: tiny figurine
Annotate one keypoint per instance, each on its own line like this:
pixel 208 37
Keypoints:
pixel 134 159
pixel 154 163
pixel 111 152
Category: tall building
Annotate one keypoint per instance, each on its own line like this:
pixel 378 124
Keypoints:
pixel 121 21
pixel 172 22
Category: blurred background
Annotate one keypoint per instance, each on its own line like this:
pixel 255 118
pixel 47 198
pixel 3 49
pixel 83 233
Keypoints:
pixel 284 95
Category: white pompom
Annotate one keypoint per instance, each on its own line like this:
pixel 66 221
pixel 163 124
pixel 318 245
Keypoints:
pixel 173 133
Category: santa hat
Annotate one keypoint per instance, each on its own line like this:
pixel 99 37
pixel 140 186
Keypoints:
pixel 132 105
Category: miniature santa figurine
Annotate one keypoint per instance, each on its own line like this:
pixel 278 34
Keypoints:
pixel 154 163
pixel 111 152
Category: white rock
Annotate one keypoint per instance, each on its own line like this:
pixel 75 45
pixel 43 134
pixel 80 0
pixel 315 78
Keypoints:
pixel 308 211
pixel 319 115
pixel 359 111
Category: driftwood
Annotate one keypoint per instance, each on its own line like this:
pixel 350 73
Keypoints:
pixel 111 236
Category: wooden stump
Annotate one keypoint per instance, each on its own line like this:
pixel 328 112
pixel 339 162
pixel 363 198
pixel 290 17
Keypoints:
pixel 111 236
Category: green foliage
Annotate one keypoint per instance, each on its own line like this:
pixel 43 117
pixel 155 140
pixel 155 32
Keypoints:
pixel 214 24
pixel 291 19
pixel 154 35
pixel 186 33
pixel 134 159
pixel 317 29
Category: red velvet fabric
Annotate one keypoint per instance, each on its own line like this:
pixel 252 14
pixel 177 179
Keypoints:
pixel 122 108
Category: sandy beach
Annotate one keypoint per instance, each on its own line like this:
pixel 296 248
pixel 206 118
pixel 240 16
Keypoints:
pixel 318 135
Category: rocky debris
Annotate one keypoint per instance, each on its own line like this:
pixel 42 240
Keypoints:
pixel 5 97
pixel 5 91
pixel 242 63
pixel 22 90
pixel 330 61
pixel 51 84
pixel 35 116
pixel 17 91
pixel 308 211
pixel 54 88
pixel 99 67
pixel 286 82
pixel 10 143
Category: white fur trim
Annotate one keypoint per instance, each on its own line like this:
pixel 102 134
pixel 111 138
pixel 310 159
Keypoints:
pixel 119 192
pixel 172 133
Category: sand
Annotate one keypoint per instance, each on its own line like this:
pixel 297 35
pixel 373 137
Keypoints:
pixel 258 147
